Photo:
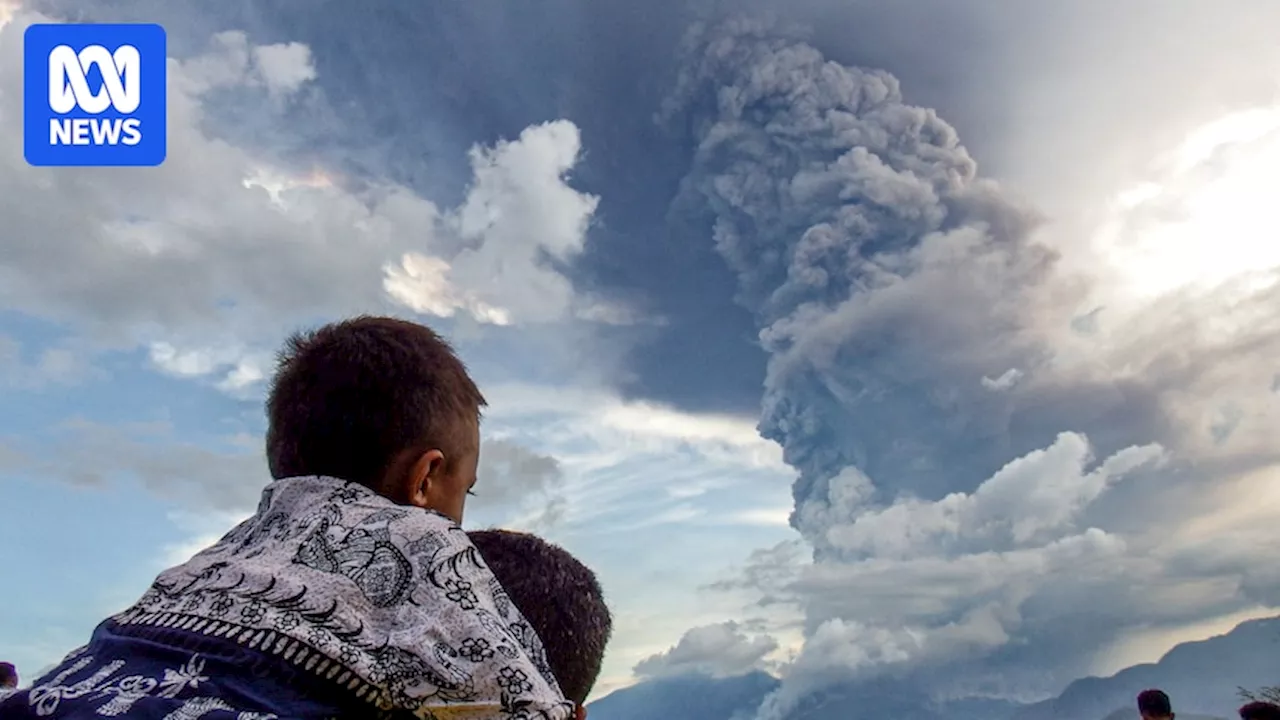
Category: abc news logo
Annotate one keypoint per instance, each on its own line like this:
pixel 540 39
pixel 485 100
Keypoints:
pixel 94 95
pixel 69 89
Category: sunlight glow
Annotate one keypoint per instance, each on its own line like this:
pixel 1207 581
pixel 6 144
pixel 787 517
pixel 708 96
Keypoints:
pixel 8 8
pixel 1212 216
pixel 277 184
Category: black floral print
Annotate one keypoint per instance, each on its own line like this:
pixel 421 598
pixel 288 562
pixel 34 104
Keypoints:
pixel 319 638
pixel 348 654
pixel 253 613
pixel 398 599
pixel 287 621
pixel 461 592
pixel 514 681
pixel 476 649
pixel 221 605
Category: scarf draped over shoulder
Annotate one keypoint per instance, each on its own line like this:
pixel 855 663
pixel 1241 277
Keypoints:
pixel 390 603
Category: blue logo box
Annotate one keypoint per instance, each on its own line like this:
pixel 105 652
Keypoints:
pixel 94 95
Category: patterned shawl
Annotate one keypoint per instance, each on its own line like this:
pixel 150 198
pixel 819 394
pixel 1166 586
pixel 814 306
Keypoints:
pixel 391 603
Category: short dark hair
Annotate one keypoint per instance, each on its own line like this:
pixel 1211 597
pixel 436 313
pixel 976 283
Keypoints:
pixel 1260 711
pixel 8 674
pixel 349 397
pixel 561 599
pixel 1154 703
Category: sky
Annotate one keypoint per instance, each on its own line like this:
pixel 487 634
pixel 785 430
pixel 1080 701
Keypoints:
pixel 843 340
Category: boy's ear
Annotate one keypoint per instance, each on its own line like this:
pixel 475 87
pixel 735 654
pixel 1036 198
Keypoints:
pixel 582 712
pixel 423 474
pixel 410 477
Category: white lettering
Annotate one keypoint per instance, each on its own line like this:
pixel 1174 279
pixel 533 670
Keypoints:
pixel 80 131
pixel 95 131
pixel 59 132
pixel 106 133
pixel 121 79
pixel 132 131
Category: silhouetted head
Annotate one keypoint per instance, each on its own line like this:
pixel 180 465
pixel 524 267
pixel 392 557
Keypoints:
pixel 8 675
pixel 561 599
pixel 1154 705
pixel 381 402
pixel 1260 711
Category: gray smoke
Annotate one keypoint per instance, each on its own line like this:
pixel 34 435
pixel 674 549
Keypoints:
pixel 887 279
pixel 935 377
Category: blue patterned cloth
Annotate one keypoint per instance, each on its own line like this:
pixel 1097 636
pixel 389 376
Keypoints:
pixel 119 674
pixel 330 601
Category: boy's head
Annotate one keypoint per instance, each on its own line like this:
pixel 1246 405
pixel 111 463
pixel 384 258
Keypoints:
pixel 8 675
pixel 1260 711
pixel 561 599
pixel 381 402
pixel 1154 705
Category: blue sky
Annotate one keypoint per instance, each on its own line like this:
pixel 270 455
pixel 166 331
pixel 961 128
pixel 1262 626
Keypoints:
pixel 765 341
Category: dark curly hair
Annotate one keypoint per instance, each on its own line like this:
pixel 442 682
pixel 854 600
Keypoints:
pixel 561 599
pixel 1260 711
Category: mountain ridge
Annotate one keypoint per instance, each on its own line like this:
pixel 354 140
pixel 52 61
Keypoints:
pixel 1202 676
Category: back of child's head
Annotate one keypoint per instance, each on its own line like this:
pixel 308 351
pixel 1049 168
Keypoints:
pixel 8 675
pixel 561 599
pixel 1154 703
pixel 349 398
pixel 1260 710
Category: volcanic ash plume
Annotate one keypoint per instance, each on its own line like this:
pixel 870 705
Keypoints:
pixel 887 280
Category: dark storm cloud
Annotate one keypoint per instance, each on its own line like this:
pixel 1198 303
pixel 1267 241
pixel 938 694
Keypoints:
pixel 409 87
pixel 887 279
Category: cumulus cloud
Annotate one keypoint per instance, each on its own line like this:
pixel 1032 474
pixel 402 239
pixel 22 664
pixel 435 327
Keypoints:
pixel 517 215
pixel 721 650
pixel 1032 497
pixel 236 366
pixel 209 257
pixel 925 585
pixel 284 67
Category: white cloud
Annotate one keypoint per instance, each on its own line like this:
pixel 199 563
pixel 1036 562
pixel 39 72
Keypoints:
pixel 624 469
pixel 1110 546
pixel 1006 381
pixel 237 368
pixel 423 284
pixel 518 209
pixel 635 427
pixel 8 8
pixel 1037 496
pixel 284 67
pixel 222 249
pixel 720 650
